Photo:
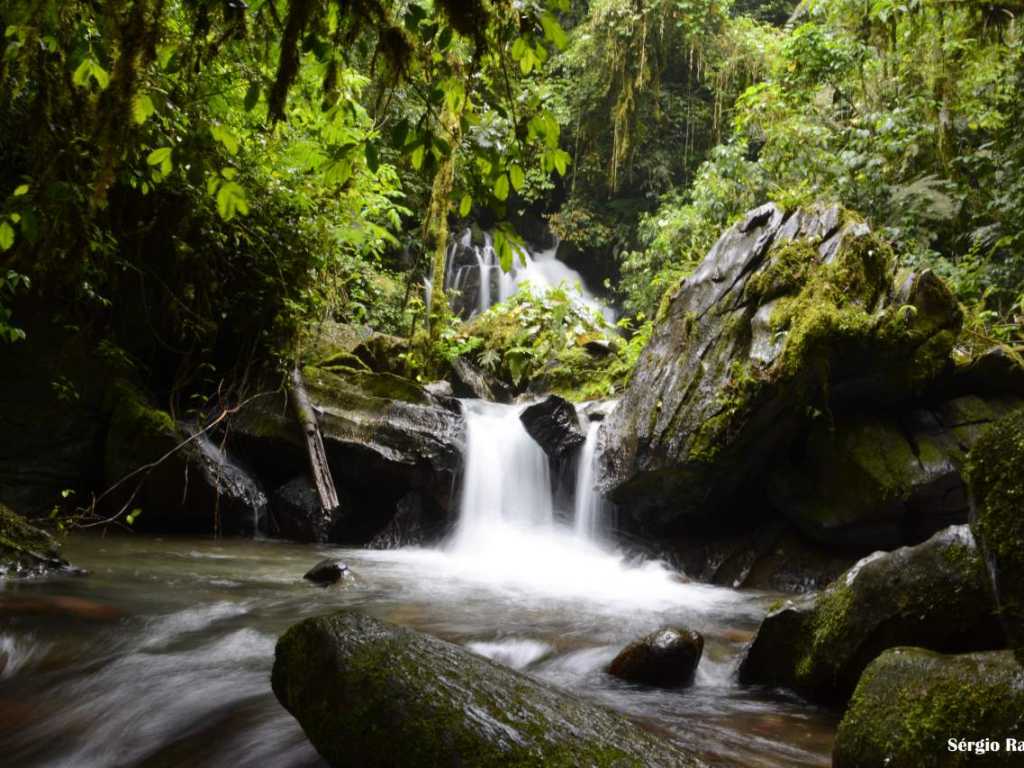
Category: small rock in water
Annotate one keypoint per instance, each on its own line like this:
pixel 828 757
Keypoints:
pixel 328 571
pixel 666 658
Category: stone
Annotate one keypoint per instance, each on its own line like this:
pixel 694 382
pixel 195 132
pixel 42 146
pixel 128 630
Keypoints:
pixel 372 694
pixel 553 423
pixel 666 658
pixel 935 595
pixel 328 571
pixel 296 513
pixel 911 703
pixel 26 550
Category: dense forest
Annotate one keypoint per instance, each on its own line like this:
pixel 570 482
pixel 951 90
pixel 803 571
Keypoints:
pixel 733 288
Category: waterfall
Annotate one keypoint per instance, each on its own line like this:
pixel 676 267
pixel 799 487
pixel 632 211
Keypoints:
pixel 588 504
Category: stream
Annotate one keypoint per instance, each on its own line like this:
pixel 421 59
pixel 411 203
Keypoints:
pixel 161 656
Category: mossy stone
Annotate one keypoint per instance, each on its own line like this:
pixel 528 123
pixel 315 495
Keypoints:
pixel 24 548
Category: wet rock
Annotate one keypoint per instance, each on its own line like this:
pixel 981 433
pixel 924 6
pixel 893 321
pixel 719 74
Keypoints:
pixel 911 702
pixel 24 549
pixel 935 595
pixel 415 523
pixel 470 381
pixel 996 474
pixel 666 658
pixel 373 694
pixel 297 515
pixel 440 389
pixel 385 437
pixel 788 316
pixel 553 423
pixel 328 571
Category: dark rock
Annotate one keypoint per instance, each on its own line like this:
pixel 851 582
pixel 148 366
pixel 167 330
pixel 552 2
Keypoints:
pixel 910 703
pixel 788 315
pixel 996 475
pixel 666 658
pixel 934 595
pixel 385 437
pixel 553 423
pixel 24 549
pixel 470 381
pixel 329 571
pixel 372 694
pixel 297 514
pixel 997 371
pixel 415 523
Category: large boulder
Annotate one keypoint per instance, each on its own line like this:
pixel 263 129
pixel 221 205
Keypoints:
pixel 666 658
pixel 996 474
pixel 917 709
pixel 553 423
pixel 790 316
pixel 385 437
pixel 296 513
pixel 371 694
pixel 24 549
pixel 935 595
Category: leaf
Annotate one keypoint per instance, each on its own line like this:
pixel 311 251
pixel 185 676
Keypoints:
pixel 465 206
pixel 399 133
pixel 231 200
pixel 21 189
pixel 417 156
pixel 6 236
pixel 142 108
pixel 90 69
pixel 501 187
pixel 225 137
pixel 252 96
pixel 160 156
pixel 553 31
pixel 337 171
pixel 517 176
pixel 372 157
pixel 444 39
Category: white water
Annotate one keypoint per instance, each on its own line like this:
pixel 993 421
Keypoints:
pixel 589 505
pixel 541 269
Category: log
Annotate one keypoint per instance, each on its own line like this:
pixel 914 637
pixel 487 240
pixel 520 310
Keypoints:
pixel 368 693
pixel 322 479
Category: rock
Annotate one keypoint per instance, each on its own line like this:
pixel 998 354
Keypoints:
pixel 24 549
pixel 385 437
pixel 415 523
pixel 191 488
pixel 440 389
pixel 935 595
pixel 297 515
pixel 997 371
pixel 996 476
pixel 910 703
pixel 666 658
pixel 329 571
pixel 788 315
pixel 373 694
pixel 553 423
pixel 470 381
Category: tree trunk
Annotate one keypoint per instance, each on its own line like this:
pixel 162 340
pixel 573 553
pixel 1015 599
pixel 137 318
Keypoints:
pixel 314 444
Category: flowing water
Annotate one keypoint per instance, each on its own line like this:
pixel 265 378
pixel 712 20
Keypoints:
pixel 161 656
pixel 589 505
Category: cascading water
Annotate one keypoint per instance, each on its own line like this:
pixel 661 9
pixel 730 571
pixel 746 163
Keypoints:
pixel 588 504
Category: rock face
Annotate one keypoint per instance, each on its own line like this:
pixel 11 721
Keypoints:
pixel 553 423
pixel 24 549
pixel 371 694
pixel 327 571
pixel 385 437
pixel 788 318
pixel 666 658
pixel 296 513
pixel 911 702
pixel 934 595
pixel 996 476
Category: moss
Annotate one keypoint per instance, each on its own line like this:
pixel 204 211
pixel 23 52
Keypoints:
pixel 339 386
pixel 789 267
pixel 132 413
pixel 23 547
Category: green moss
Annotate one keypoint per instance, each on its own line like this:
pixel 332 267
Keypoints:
pixel 132 413
pixel 789 267
pixel 23 547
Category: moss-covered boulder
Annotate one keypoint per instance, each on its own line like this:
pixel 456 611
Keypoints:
pixel 372 694
pixel 385 436
pixel 790 316
pixel 881 478
pixel 996 476
pixel 912 704
pixel 935 595
pixel 24 549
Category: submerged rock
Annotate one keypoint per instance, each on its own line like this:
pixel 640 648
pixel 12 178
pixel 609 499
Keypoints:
pixel 788 316
pixel 910 703
pixel 372 694
pixel 553 423
pixel 934 595
pixel 24 549
pixel 328 571
pixel 996 476
pixel 666 658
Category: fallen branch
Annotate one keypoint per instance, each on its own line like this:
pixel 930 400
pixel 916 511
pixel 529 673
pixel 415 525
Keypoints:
pixel 314 444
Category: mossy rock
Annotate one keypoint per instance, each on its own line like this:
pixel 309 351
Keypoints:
pixel 911 702
pixel 24 549
pixel 373 694
pixel 934 595
pixel 996 477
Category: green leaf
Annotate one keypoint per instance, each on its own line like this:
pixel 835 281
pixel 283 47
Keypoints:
pixel 142 108
pixel 21 189
pixel 517 176
pixel 372 157
pixel 160 156
pixel 6 236
pixel 501 187
pixel 553 31
pixel 465 206
pixel 225 137
pixel 252 96
pixel 231 200
pixel 90 69
pixel 399 133
pixel 417 156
